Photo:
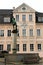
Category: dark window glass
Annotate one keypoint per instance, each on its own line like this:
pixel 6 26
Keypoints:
pixel 31 32
pixel 39 47
pixel 17 32
pixel 24 47
pixel 1 47
pixel 9 47
pixel 38 32
pixel 31 47
pixel 17 17
pixel 30 17
pixel 17 47
pixel 23 17
pixel 40 19
pixel 9 32
pixel 24 32
pixel 1 32
pixel 23 8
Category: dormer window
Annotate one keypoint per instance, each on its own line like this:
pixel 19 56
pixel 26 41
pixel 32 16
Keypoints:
pixel 6 19
pixel 23 8
pixel 40 19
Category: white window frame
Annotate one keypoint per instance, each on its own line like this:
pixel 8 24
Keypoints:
pixel 39 47
pixel 1 32
pixel 8 33
pixel 23 17
pixel 24 32
pixel 24 47
pixel 9 49
pixel 30 17
pixel 1 47
pixel 31 32
pixel 17 17
pixel 40 19
pixel 6 19
pixel 38 32
pixel 31 47
pixel 17 47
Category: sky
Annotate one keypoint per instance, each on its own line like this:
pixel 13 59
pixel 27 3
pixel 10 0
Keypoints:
pixel 9 4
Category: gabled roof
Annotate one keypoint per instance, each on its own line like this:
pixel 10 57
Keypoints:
pixel 24 5
pixel 5 11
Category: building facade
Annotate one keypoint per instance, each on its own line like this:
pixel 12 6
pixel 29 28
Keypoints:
pixel 30 30
pixel 6 27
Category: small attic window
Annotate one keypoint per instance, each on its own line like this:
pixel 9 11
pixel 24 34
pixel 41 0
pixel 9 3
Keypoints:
pixel 23 8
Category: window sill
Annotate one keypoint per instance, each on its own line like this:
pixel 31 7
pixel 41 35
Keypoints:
pixel 38 36
pixel 31 36
pixel 39 50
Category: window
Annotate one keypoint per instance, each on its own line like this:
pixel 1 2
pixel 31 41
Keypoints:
pixel 31 32
pixel 38 32
pixel 9 47
pixel 31 47
pixel 9 32
pixel 6 19
pixel 40 19
pixel 23 8
pixel 24 32
pixel 1 47
pixel 17 47
pixel 1 32
pixel 17 17
pixel 23 17
pixel 30 17
pixel 39 47
pixel 17 32
pixel 24 47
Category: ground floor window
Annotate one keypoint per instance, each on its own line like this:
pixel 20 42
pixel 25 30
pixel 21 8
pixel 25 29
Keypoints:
pixel 17 47
pixel 31 47
pixel 9 47
pixel 1 47
pixel 24 47
pixel 39 47
pixel 1 32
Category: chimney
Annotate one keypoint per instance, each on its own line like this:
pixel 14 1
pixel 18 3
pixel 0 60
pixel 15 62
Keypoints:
pixel 13 8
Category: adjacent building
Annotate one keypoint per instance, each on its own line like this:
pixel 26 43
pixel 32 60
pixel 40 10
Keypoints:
pixel 30 30
pixel 6 27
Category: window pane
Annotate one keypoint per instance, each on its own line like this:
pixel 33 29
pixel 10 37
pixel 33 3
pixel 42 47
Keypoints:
pixel 39 46
pixel 17 17
pixel 6 19
pixel 31 47
pixel 42 19
pixel 1 47
pixel 23 8
pixel 24 32
pixel 9 47
pixel 23 17
pixel 30 17
pixel 9 32
pixel 17 32
pixel 31 32
pixel 38 32
pixel 24 47
pixel 17 47
pixel 39 18
pixel 1 32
